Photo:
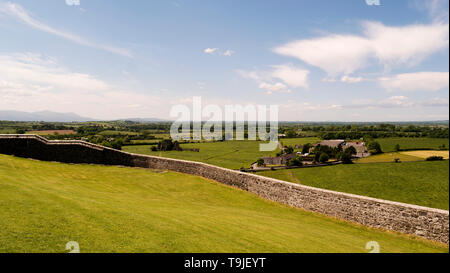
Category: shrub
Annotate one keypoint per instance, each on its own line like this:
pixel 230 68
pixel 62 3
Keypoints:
pixel 346 157
pixel 435 158
pixel 323 158
pixel 295 162
pixel 260 162
pixel 374 148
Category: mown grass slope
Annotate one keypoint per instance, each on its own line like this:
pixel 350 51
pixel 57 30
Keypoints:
pixel 43 205
pixel 421 183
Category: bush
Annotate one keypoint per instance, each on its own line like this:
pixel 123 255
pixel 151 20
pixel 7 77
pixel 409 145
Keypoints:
pixel 260 162
pixel 435 158
pixel 374 148
pixel 324 158
pixel 346 158
pixel 295 162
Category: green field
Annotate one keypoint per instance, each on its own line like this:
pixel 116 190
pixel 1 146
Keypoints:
pixel 43 205
pixel 295 141
pixel 228 154
pixel 117 133
pixel 417 143
pixel 421 183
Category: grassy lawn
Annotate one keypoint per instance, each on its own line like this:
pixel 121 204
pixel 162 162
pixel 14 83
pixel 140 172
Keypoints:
pixel 43 205
pixel 418 143
pixel 228 154
pixel 421 183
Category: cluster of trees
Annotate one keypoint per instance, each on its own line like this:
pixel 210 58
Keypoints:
pixel 374 147
pixel 435 158
pixel 167 145
pixel 323 153
pixel 115 143
pixel 356 131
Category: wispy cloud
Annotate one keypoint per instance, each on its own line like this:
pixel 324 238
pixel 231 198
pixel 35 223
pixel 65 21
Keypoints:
pixel 210 50
pixel 419 81
pixel 228 53
pixel 290 76
pixel 390 46
pixel 34 82
pixel 18 12
pixel 215 50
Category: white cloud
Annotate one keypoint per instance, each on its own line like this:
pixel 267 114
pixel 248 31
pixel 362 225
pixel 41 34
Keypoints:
pixel 16 11
pixel 228 52
pixel 406 45
pixel 437 9
pixel 253 75
pixel 276 87
pixel 37 70
pixel 269 79
pixel 396 101
pixel 345 54
pixel 335 54
pixel 30 82
pixel 348 79
pixel 436 102
pixel 292 76
pixel 420 81
pixel 210 50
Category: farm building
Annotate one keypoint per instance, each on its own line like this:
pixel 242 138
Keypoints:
pixel 278 160
pixel 360 146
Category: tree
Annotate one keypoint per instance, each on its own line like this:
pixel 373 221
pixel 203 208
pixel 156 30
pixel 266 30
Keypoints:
pixel 323 158
pixel 288 150
pixel 260 162
pixel 291 134
pixel 345 157
pixel 374 148
pixel 306 147
pixel 295 162
pixel 397 147
pixel 351 150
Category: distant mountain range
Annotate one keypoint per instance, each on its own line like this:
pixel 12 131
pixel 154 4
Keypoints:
pixel 47 116
pixel 143 120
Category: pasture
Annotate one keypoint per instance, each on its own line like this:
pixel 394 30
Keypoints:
pixel 228 154
pixel 411 143
pixel 421 183
pixel 294 141
pixel 44 205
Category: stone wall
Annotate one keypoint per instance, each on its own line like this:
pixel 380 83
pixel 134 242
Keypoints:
pixel 426 222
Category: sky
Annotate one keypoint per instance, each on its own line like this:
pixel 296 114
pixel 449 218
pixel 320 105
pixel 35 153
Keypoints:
pixel 317 60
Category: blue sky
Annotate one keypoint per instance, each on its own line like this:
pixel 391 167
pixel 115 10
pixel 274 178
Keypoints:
pixel 317 60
